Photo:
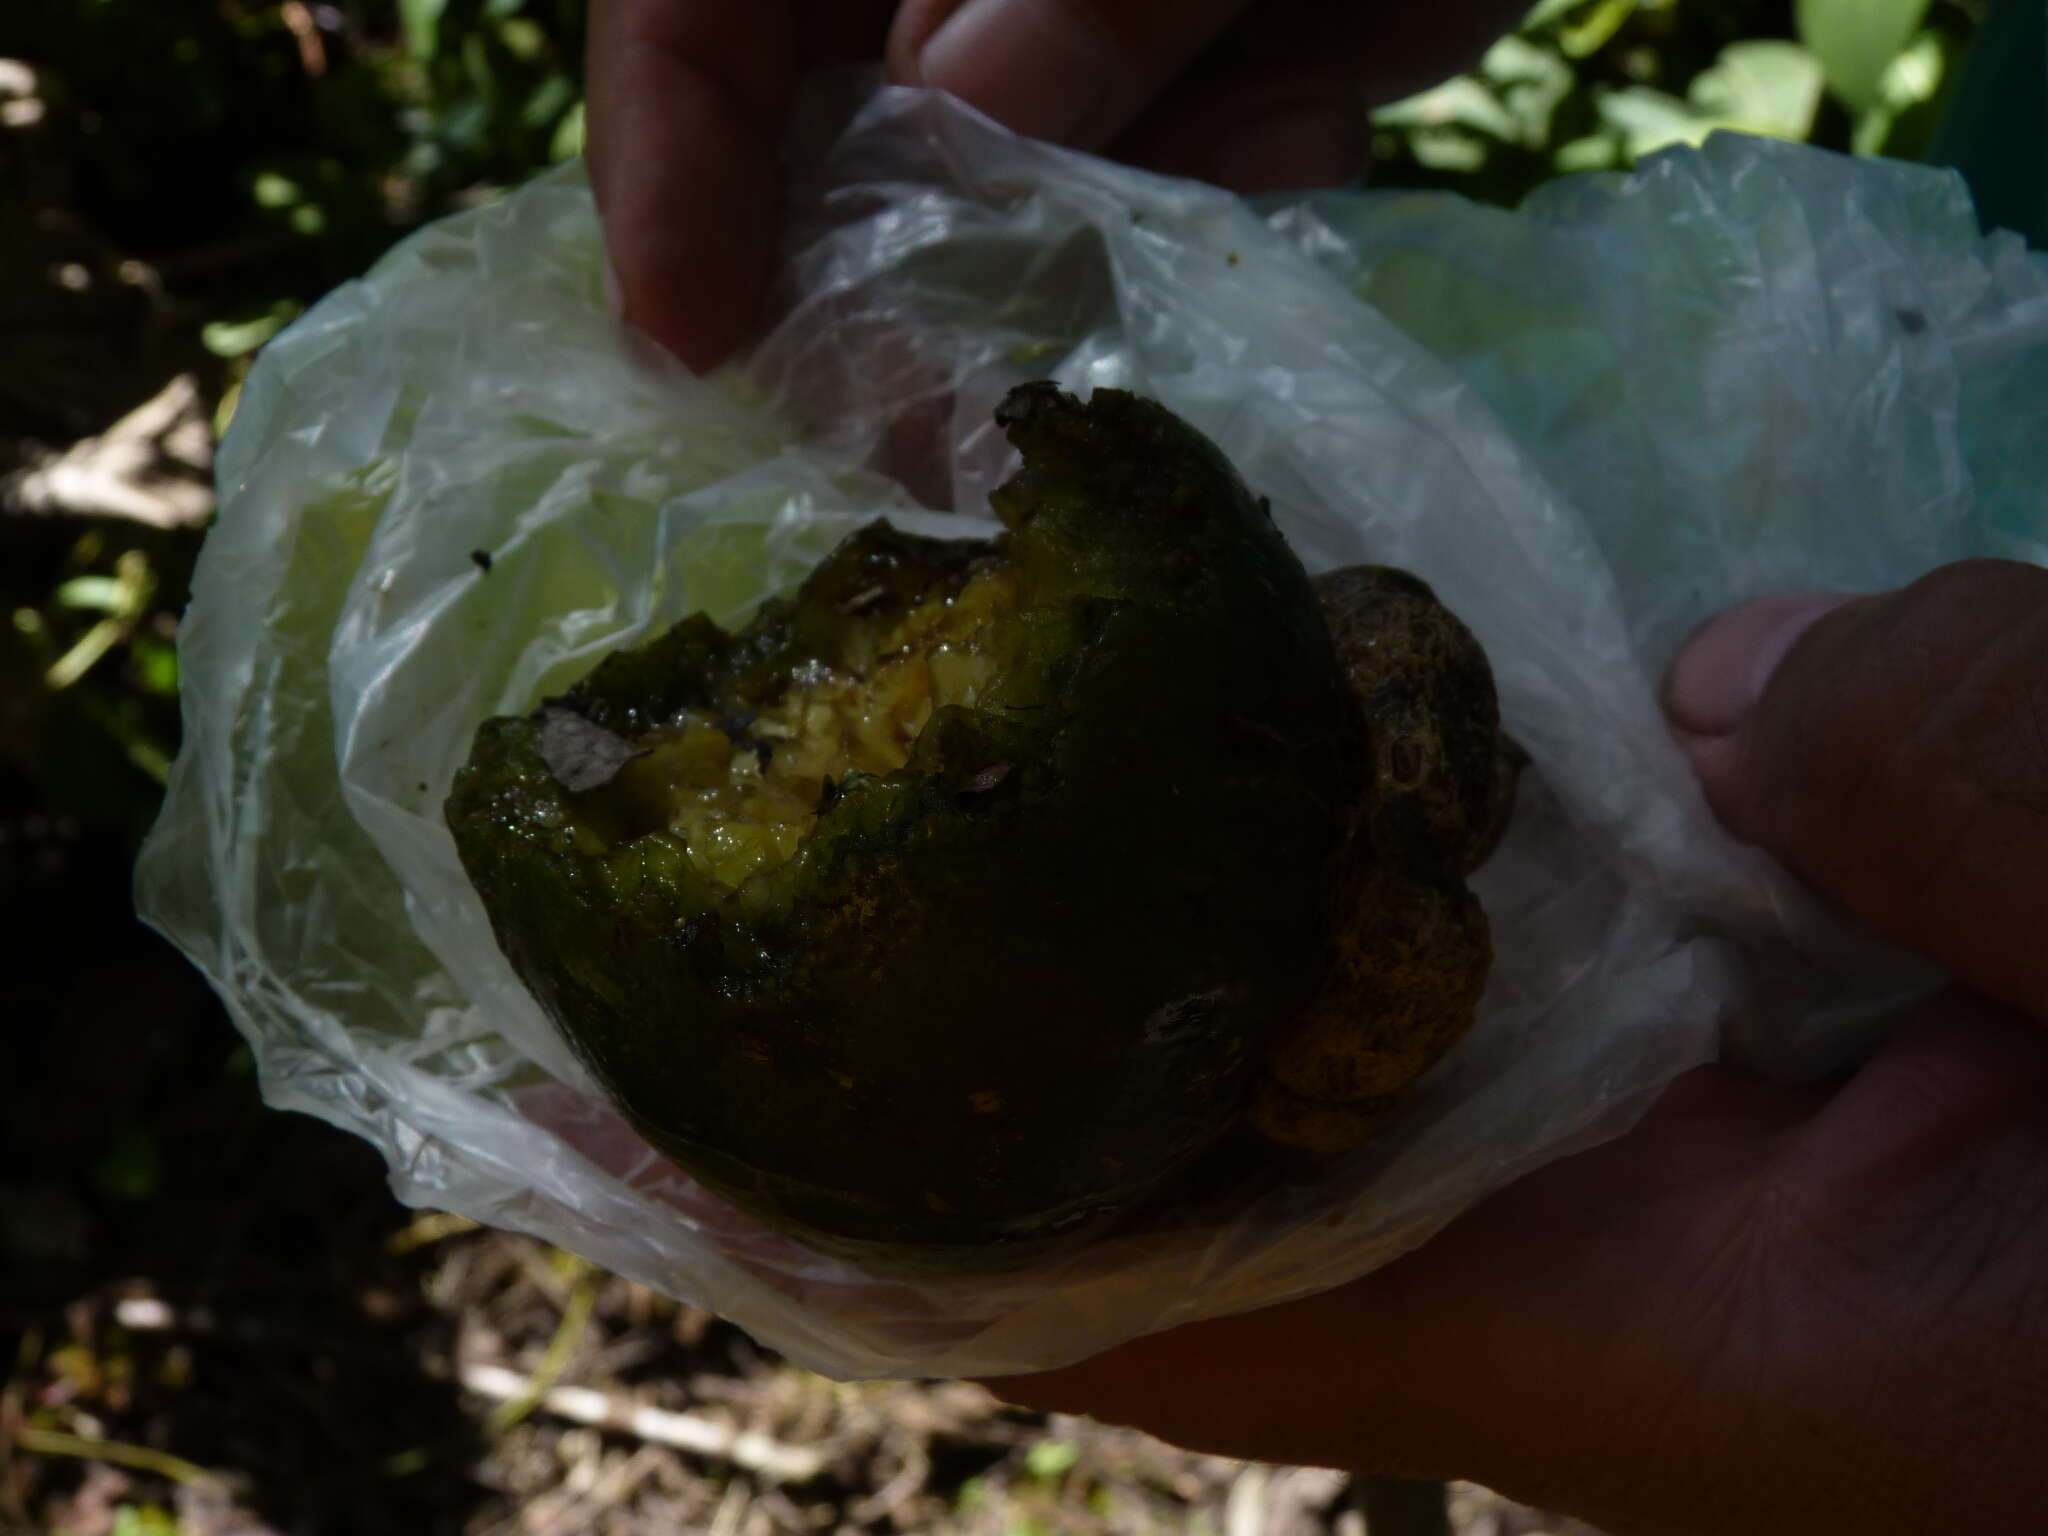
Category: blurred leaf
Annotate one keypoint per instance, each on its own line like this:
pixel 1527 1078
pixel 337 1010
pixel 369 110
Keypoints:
pixel 1765 86
pixel 234 338
pixel 1454 150
pixel 1531 82
pixel 1590 34
pixel 1547 11
pixel 422 19
pixel 108 594
pixel 467 126
pixel 1916 73
pixel 567 142
pixel 1513 59
pixel 550 99
pixel 1593 152
pixel 1855 40
pixel 1650 120
pixel 522 37
pixel 224 414
pixel 478 65
pixel 1909 99
pixel 1050 1459
pixel 272 190
pixel 1463 101
pixel 144 1520
pixel 156 667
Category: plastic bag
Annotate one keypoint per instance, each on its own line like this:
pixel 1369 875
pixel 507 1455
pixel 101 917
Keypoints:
pixel 449 490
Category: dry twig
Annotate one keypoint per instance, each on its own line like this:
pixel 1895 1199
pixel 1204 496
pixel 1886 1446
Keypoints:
pixel 683 1431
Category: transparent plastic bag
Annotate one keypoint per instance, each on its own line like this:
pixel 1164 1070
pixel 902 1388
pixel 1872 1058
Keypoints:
pixel 450 489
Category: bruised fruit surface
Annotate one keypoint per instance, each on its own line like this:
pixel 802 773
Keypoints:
pixel 942 912
pixel 1410 944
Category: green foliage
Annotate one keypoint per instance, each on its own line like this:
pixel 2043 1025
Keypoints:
pixel 1598 84
pixel 1855 41
pixel 1050 1460
pixel 284 144
pixel 90 630
pixel 144 1520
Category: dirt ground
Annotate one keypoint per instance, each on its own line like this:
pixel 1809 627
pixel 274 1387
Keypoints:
pixel 426 1376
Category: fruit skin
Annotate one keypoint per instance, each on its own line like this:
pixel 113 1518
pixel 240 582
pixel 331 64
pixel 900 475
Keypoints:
pixel 1411 944
pixel 1002 993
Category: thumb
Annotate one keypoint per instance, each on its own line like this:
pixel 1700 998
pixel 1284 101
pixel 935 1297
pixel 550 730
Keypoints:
pixel 1076 72
pixel 1894 751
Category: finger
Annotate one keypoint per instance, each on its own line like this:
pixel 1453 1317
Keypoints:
pixel 684 101
pixel 686 106
pixel 1387 52
pixel 1072 71
pixel 1897 1139
pixel 1255 131
pixel 1894 751
pixel 1275 100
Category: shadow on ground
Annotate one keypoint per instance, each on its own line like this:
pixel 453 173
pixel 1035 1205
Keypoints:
pixel 184 1270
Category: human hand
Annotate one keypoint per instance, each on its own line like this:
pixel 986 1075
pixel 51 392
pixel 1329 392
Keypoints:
pixel 687 100
pixel 1765 1309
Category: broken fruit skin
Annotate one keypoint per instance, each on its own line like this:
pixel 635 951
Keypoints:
pixel 996 994
pixel 1411 945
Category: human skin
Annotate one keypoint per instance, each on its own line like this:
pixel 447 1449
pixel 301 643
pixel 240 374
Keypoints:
pixel 687 101
pixel 1766 1309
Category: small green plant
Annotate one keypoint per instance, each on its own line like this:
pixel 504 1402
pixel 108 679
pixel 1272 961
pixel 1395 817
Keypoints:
pixel 1051 1460
pixel 1598 84
pixel 144 1520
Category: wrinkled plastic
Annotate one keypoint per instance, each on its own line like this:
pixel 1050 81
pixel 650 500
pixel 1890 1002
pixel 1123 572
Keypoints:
pixel 450 489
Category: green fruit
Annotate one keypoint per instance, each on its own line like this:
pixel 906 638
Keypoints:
pixel 944 911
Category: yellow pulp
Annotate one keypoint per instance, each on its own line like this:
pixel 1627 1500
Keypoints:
pixel 736 815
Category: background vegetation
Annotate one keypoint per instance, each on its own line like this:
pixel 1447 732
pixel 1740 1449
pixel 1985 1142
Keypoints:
pixel 194 1283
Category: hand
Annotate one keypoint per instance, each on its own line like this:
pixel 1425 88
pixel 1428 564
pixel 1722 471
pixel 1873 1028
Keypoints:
pixel 687 100
pixel 1766 1309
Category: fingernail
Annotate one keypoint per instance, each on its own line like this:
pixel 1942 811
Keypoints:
pixel 1307 146
pixel 1722 670
pixel 1037 66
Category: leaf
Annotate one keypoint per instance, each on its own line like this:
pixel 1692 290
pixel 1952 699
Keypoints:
pixel 567 142
pixel 1761 87
pixel 106 593
pixel 233 338
pixel 1590 152
pixel 1650 120
pixel 1547 11
pixel 144 1520
pixel 549 100
pixel 1051 1459
pixel 422 20
pixel 1462 101
pixel 1855 40
pixel 1531 82
pixel 156 668
pixel 1911 95
pixel 272 189
pixel 1589 35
